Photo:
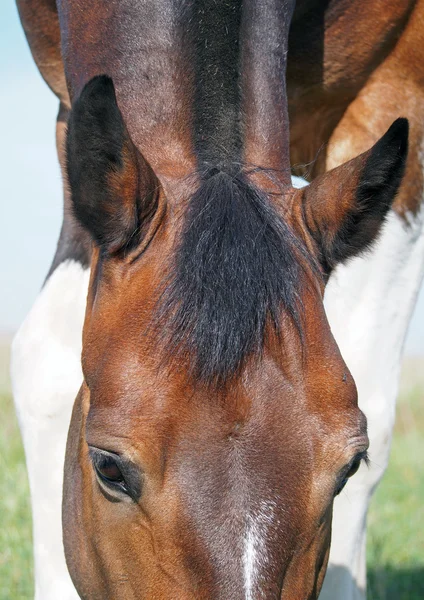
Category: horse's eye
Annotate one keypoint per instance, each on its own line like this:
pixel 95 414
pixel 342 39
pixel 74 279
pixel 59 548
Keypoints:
pixel 354 466
pixel 340 486
pixel 350 470
pixel 107 469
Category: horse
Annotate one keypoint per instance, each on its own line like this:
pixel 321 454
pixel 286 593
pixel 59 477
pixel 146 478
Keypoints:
pixel 228 319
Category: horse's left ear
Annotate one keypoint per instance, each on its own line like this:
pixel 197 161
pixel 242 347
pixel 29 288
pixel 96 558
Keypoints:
pixel 114 190
pixel 345 208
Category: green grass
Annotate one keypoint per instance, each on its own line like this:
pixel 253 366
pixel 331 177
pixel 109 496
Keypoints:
pixel 16 569
pixel 396 521
pixel 395 535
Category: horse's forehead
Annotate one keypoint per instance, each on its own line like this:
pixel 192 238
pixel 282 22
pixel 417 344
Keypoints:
pixel 239 445
pixel 260 412
pixel 126 368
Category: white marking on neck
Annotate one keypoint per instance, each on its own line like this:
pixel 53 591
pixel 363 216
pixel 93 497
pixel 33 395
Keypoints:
pixel 369 302
pixel 46 375
pixel 255 555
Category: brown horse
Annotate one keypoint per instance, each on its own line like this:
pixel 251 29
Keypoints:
pixel 217 419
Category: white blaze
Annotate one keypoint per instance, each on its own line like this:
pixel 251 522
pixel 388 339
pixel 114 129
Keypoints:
pixel 46 375
pixel 255 556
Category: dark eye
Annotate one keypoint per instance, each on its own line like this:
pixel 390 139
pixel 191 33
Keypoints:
pixel 350 470
pixel 354 466
pixel 107 469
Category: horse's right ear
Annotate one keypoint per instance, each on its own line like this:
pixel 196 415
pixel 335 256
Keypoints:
pixel 344 209
pixel 113 189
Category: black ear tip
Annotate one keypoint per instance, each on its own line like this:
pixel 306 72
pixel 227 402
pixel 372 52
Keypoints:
pixel 100 85
pixel 397 135
pixel 400 126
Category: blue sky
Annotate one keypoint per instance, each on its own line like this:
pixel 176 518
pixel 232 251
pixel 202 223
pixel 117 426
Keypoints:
pixel 30 184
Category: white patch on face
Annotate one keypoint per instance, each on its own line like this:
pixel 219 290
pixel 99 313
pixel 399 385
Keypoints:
pixel 46 375
pixel 255 555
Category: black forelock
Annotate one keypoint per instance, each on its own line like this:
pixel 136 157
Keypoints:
pixel 238 269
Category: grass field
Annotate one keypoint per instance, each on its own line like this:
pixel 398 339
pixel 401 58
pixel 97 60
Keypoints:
pixel 396 522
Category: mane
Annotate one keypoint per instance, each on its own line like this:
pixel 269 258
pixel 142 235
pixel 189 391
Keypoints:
pixel 238 268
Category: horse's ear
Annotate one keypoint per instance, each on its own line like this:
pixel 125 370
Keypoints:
pixel 112 188
pixel 345 208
